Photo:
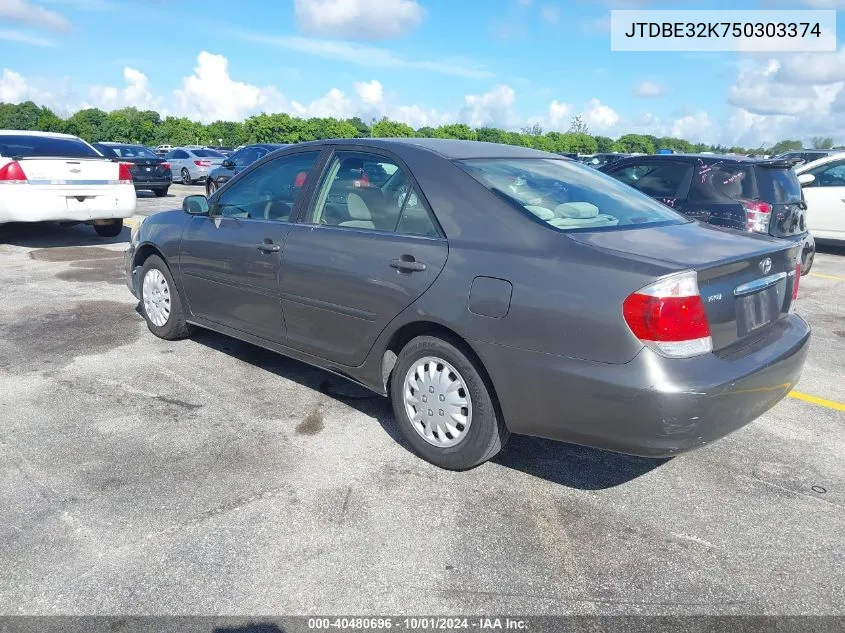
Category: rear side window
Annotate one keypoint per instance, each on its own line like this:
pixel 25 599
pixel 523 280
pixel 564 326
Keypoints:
pixel 778 185
pixel 830 175
pixel 27 146
pixel 207 153
pixel 719 182
pixel 664 180
pixel 568 196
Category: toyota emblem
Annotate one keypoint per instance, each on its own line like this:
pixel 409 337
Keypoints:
pixel 766 266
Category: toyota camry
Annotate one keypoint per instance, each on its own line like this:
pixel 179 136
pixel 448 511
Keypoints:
pixel 486 290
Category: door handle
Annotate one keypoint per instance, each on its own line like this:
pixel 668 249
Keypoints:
pixel 269 247
pixel 407 264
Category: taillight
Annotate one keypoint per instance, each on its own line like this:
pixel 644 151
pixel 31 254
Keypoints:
pixel 795 283
pixel 757 215
pixel 12 174
pixel 202 163
pixel 669 317
pixel 124 175
pixel 165 165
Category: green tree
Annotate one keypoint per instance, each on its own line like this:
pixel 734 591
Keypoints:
pixel 391 129
pixel 577 126
pixel 491 135
pixel 822 142
pixel 634 143
pixel 676 144
pixel 426 132
pixel 48 121
pixel 179 131
pixel 535 129
pixel 226 133
pixel 786 146
pixel 88 124
pixel 604 144
pixel 362 130
pixel 456 130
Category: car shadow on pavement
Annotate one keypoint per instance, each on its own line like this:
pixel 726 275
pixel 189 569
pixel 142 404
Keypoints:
pixel 557 462
pixel 260 627
pixel 53 235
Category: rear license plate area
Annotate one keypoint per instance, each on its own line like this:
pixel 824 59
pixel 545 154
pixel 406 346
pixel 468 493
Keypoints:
pixel 757 310
pixel 83 203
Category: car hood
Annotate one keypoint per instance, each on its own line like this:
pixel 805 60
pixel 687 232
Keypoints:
pixel 690 245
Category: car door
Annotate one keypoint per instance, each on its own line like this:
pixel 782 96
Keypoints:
pixel 363 253
pixel 230 259
pixel 826 201
pixel 178 160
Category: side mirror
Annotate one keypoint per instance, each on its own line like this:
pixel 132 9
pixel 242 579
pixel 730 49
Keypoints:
pixel 806 179
pixel 228 163
pixel 195 205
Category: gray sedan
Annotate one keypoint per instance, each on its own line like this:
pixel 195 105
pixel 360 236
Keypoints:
pixel 487 290
pixel 193 164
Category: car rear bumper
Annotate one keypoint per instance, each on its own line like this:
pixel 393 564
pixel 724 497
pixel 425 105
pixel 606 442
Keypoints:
pixel 153 184
pixel 131 277
pixel 27 203
pixel 651 406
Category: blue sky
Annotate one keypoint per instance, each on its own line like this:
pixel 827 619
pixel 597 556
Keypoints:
pixel 499 62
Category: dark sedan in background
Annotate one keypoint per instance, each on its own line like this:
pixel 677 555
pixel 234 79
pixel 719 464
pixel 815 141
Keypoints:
pixel 236 162
pixel 487 289
pixel 745 194
pixel 149 171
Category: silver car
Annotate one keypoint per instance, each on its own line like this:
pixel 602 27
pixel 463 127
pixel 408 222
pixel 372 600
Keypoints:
pixel 192 164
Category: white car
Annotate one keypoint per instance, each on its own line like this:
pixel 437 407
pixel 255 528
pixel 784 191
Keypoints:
pixel 192 164
pixel 50 177
pixel 824 189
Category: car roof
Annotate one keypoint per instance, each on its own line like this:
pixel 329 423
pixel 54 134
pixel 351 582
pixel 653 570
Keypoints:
pixel 452 149
pixel 704 157
pixel 116 143
pixel 34 133
pixel 831 158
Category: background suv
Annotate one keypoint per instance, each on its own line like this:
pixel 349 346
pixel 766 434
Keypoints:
pixel 759 196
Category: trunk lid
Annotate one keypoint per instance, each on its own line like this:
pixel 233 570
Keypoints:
pixel 61 173
pixel 146 168
pixel 745 280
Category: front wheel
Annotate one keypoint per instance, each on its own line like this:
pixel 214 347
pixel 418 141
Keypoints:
pixel 186 177
pixel 444 406
pixel 112 229
pixel 160 301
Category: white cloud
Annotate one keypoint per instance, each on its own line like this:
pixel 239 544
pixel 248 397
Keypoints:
pixel 550 13
pixel 812 68
pixel 558 117
pixel 370 91
pixel 22 37
pixel 362 55
pixel 83 5
pixel 15 88
pixel 599 117
pixel 24 12
pixel 649 89
pixel 358 19
pixel 495 107
pixel 210 94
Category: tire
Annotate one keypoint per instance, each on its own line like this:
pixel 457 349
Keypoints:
pixel 160 193
pixel 186 177
pixel 112 229
pixel 483 435
pixel 210 188
pixel 173 327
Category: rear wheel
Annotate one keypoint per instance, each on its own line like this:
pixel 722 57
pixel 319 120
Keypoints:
pixel 160 193
pixel 211 187
pixel 186 177
pixel 807 262
pixel 112 229
pixel 160 301
pixel 444 406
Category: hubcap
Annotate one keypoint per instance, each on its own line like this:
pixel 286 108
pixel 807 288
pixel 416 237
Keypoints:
pixel 156 296
pixel 437 402
pixel 186 177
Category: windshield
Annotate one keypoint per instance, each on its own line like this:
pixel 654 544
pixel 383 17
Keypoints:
pixel 568 196
pixel 207 153
pixel 27 146
pixel 132 151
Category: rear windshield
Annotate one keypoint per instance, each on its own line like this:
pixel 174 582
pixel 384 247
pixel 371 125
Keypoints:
pixel 207 153
pixel 714 182
pixel 778 185
pixel 27 146
pixel 132 151
pixel 569 196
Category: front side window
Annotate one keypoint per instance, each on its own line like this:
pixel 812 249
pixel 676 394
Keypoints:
pixel 663 180
pixel 367 191
pixel 830 175
pixel 247 156
pixel 568 196
pixel 269 192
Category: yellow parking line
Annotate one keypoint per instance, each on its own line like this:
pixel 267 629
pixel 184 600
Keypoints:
pixel 830 404
pixel 826 276
pixel 130 222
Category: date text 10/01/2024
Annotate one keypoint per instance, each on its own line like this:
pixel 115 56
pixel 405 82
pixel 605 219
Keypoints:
pixel 418 624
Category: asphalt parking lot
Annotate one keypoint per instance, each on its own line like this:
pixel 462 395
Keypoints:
pixel 209 476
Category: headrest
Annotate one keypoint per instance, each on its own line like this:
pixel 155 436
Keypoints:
pixel 580 210
pixel 541 212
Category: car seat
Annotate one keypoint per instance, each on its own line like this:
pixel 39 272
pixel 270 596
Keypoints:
pixel 578 215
